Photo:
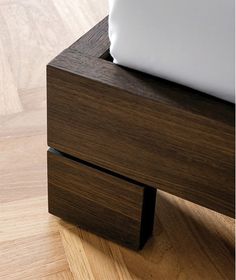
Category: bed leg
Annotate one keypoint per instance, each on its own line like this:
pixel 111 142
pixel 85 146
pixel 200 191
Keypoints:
pixel 110 205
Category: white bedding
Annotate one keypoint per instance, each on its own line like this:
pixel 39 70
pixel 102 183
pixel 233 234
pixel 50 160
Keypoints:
pixel 187 41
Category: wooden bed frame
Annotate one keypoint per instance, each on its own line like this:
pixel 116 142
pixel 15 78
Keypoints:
pixel 117 135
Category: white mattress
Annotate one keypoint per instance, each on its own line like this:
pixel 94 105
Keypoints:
pixel 187 41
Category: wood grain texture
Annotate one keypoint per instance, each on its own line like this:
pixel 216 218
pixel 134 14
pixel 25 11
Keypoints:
pixel 159 133
pixel 10 102
pixel 110 206
pixel 189 241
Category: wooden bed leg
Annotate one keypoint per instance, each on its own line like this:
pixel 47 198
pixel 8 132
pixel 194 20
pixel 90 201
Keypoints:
pixel 100 201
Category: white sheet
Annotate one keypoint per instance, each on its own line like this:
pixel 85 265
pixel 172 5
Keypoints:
pixel 187 41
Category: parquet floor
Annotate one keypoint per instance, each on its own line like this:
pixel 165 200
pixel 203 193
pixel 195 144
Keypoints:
pixel 189 241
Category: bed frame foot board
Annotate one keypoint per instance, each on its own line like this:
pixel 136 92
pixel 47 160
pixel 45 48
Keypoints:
pixel 122 134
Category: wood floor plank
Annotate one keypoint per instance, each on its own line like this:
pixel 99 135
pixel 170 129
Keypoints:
pixel 36 220
pixel 197 234
pixel 22 168
pixel 88 12
pixel 75 254
pixel 32 258
pixel 64 275
pixel 28 41
pixel 33 98
pixel 111 262
pixel 9 96
pixel 24 124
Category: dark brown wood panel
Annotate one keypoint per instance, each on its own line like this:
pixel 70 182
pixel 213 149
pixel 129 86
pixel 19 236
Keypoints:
pixel 110 206
pixel 184 154
pixel 153 131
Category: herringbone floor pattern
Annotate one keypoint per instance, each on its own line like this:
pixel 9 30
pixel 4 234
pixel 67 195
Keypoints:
pixel 189 241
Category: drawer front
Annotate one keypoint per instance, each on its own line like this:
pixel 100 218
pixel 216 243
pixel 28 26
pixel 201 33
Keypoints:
pixel 99 202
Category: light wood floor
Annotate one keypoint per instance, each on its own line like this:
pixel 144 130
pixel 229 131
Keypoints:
pixel 189 241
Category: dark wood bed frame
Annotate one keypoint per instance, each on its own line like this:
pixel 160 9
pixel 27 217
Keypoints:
pixel 117 135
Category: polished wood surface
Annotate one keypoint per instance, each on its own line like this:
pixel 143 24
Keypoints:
pixel 111 206
pixel 189 242
pixel 156 132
